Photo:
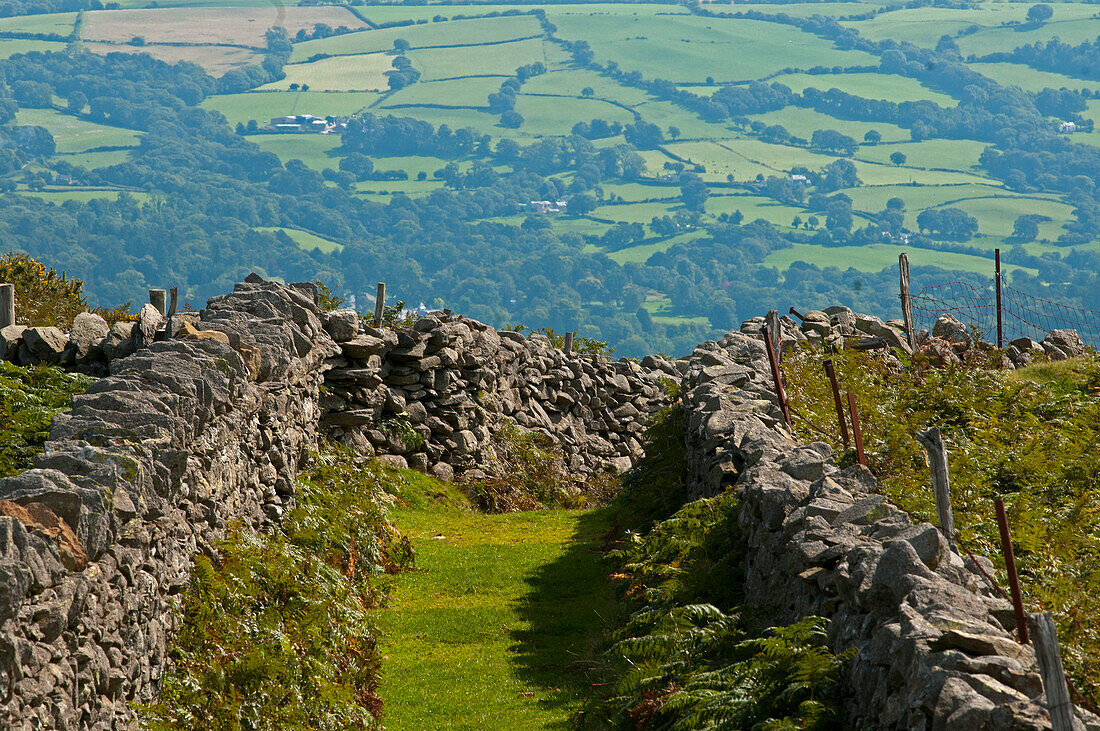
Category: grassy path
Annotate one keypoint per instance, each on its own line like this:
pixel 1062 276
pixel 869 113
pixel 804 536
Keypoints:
pixel 498 627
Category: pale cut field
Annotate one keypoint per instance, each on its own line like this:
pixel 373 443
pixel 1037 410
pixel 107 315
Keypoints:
pixel 232 26
pixel 215 60
pixel 338 73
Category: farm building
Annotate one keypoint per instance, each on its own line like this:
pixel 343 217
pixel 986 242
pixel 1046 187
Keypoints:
pixel 308 123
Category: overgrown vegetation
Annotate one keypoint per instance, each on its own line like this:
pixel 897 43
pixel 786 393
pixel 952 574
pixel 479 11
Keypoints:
pixel 688 656
pixel 1029 436
pixel 29 399
pixel 43 296
pixel 529 473
pixel 278 631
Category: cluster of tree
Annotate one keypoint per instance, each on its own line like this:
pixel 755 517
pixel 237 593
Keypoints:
pixel 503 102
pixel 954 224
pixel 1082 60
pixel 372 135
pixel 402 74
pixel 320 30
pixel 597 129
pixel 828 140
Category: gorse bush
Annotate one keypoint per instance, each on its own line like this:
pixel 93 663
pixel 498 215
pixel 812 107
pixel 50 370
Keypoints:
pixel 687 656
pixel 277 631
pixel 29 399
pixel 1031 437
pixel 42 295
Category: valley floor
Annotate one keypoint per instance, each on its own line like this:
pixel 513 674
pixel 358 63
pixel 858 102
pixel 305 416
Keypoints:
pixel 499 624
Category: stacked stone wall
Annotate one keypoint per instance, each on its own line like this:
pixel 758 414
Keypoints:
pixel 454 382
pixel 933 644
pixel 144 472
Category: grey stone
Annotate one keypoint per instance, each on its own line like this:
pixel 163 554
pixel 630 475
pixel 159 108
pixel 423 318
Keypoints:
pixel 88 331
pixel 11 337
pixel 342 325
pixel 46 344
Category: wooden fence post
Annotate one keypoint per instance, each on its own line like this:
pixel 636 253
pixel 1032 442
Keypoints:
pixel 831 373
pixel 775 332
pixel 1050 667
pixel 776 375
pixel 857 430
pixel 568 343
pixel 159 298
pixel 1000 326
pixel 907 301
pixel 932 441
pixel 7 305
pixel 379 304
pixel 1010 566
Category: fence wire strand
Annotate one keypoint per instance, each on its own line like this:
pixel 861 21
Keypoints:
pixel 1022 314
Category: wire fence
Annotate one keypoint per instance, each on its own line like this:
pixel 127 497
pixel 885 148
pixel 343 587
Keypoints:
pixel 1022 314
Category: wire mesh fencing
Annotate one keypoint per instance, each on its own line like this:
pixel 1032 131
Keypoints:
pixel 1022 314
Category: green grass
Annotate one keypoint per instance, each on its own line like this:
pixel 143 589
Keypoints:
pixel 93 160
pixel 81 195
pixel 73 134
pixel 997 215
pixel 960 155
pixel 803 122
pixel 11 46
pixel 992 40
pixel 665 115
pixel 689 48
pixel 876 257
pixel 316 151
pixel 721 159
pixel 804 10
pixel 306 240
pixel 639 191
pixel 570 82
pixel 637 212
pixel 924 26
pixel 457 92
pixel 1029 79
pixel 867 85
pixel 873 198
pixel 451 33
pixel 499 59
pixel 497 625
pixel 640 254
pixel 753 207
pixel 52 23
pixel 550 115
pixel 341 73
pixel 262 106
pixel 659 308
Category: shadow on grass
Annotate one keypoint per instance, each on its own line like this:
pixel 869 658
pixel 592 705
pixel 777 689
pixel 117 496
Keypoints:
pixel 570 608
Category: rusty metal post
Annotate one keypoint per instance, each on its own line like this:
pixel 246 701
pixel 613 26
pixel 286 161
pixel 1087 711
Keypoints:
pixel 776 375
pixel 857 431
pixel 831 373
pixel 1010 565
pixel 1000 326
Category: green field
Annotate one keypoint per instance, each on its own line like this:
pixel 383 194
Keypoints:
pixel 570 82
pixel 1029 79
pixel 262 106
pixel 452 33
pixel 11 46
pixel 499 59
pixel 690 48
pixel 753 207
pixel 803 10
pixel 472 92
pixel 871 86
pixel 551 115
pixel 306 240
pixel 316 151
pixel 959 155
pixel 803 123
pixel 73 134
pixel 992 40
pixel 339 73
pixel 876 257
pixel 60 24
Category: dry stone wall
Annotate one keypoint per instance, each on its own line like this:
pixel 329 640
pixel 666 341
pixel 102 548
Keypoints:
pixel 143 473
pixel 934 645
pixel 454 381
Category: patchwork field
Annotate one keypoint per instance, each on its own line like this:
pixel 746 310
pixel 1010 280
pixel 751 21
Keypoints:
pixel 305 239
pixel 238 26
pixel 340 73
pixel 463 57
